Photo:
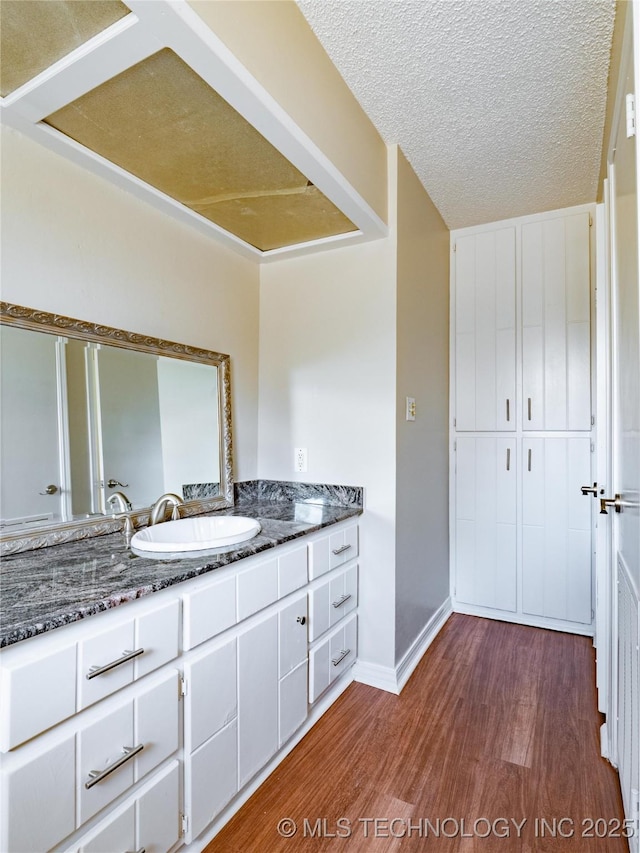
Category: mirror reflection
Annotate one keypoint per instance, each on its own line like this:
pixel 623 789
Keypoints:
pixel 81 420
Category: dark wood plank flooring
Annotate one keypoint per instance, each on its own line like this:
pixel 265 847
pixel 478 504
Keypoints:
pixel 497 725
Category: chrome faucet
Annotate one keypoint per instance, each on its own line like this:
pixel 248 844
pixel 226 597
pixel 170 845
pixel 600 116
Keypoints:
pixel 157 512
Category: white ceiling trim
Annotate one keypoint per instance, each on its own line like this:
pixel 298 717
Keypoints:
pixel 175 25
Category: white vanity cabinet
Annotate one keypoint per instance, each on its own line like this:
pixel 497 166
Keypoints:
pixel 93 737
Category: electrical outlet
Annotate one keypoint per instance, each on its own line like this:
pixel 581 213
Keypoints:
pixel 411 409
pixel 300 459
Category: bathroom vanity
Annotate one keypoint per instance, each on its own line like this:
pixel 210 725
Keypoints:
pixel 143 701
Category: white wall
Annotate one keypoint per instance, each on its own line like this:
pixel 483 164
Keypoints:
pixel 75 245
pixel 422 450
pixel 327 383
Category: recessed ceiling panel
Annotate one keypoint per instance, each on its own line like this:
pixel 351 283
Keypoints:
pixel 162 123
pixel 36 33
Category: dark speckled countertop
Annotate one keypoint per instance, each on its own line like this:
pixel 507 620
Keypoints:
pixel 46 588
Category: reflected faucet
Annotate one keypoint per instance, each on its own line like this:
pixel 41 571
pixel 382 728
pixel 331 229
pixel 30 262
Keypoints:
pixel 124 506
pixel 158 510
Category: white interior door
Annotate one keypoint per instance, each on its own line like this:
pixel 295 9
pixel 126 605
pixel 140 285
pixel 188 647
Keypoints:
pixel 624 705
pixel 33 472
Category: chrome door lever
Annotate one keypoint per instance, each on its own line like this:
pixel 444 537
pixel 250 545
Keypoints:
pixel 590 490
pixel 617 503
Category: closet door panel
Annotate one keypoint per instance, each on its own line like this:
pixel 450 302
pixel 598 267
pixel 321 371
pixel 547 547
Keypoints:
pixel 485 331
pixel 556 324
pixel 485 522
pixel 556 536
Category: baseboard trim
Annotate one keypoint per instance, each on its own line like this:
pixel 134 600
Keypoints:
pixel 393 679
pixel 413 656
pixel 524 619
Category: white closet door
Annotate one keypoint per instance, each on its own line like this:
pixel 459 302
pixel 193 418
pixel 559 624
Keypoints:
pixel 486 522
pixel 485 311
pixel 556 324
pixel 556 531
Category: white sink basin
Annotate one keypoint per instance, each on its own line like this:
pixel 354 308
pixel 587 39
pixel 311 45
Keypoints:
pixel 195 534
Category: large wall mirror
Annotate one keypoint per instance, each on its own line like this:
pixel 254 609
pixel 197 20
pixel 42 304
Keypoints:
pixel 87 411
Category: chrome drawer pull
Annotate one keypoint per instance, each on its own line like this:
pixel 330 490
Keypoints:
pixel 126 656
pixel 508 410
pixel 528 408
pixel 341 657
pixel 96 776
pixel 342 600
pixel 341 549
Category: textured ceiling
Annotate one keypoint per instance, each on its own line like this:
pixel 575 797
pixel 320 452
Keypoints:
pixel 499 105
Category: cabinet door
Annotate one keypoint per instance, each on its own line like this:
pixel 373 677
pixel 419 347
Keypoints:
pixel 292 635
pixel 211 702
pixel 485 337
pixel 293 701
pixel 257 696
pixel 38 802
pixel 556 529
pixel 556 324
pixel 211 778
pixel 486 522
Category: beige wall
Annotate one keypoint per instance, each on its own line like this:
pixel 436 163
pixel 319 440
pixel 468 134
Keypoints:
pixel 274 42
pixel 327 383
pixel 422 448
pixel 75 245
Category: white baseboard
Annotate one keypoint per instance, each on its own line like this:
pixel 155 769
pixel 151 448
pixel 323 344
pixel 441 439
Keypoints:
pixel 524 619
pixel 382 677
pixel 393 679
pixel 413 655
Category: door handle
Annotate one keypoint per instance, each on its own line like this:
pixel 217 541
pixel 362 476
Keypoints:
pixel 49 490
pixel 113 484
pixel 617 503
pixel 589 490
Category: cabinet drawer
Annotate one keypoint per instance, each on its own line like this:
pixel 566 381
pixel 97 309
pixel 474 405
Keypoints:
pixel 331 657
pixel 208 611
pixel 331 601
pixel 35 694
pixel 145 729
pixel 114 658
pixel 149 822
pixel 329 552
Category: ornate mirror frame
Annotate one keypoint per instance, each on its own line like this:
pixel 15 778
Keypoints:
pixel 57 324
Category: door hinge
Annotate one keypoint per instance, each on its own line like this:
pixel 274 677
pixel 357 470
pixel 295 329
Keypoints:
pixel 454 422
pixel 182 686
pixel 184 824
pixel 454 247
pixel 593 447
pixel 593 420
pixel 631 115
pixel 590 220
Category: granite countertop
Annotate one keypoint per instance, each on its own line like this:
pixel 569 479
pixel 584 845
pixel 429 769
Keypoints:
pixel 43 589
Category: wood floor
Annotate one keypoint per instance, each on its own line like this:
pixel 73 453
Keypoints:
pixel 498 725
